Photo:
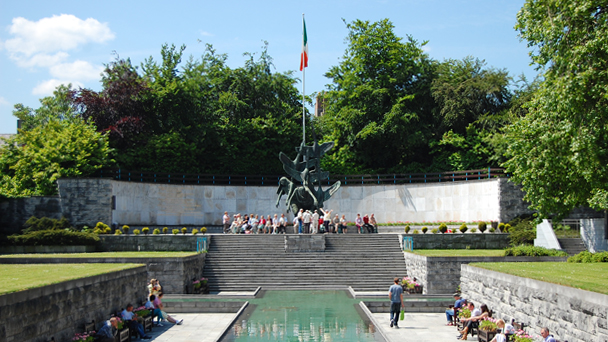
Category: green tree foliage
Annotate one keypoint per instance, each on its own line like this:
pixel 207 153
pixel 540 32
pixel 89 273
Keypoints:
pixel 559 150
pixel 32 161
pixel 60 106
pixel 378 106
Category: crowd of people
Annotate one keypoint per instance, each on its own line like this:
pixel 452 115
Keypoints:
pixel 304 222
pixel 504 330
pixel 108 331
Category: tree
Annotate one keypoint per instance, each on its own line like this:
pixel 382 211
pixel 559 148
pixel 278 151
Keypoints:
pixel 559 150
pixel 60 106
pixel 32 161
pixel 378 106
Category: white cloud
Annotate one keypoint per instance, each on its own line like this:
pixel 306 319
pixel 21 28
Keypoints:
pixel 46 88
pixel 57 33
pixel 426 48
pixel 41 60
pixel 78 70
pixel 3 101
pixel 206 34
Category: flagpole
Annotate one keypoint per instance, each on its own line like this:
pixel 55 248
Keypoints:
pixel 303 93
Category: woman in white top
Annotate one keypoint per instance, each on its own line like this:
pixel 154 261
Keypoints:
pixel 282 224
pixel 326 219
pixel 343 224
pixel 275 224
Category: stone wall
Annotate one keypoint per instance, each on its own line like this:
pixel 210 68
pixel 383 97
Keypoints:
pixel 304 243
pixel 14 212
pixel 175 273
pixel 569 313
pixel 441 275
pixel 86 201
pixel 61 310
pixel 459 241
pixel 511 201
pixel 151 242
pixel 173 204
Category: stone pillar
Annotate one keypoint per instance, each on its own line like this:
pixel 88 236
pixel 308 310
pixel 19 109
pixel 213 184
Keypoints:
pixel 86 201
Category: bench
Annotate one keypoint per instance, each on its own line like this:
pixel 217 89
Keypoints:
pixel 89 326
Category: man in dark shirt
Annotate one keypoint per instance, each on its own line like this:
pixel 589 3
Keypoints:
pixel 449 313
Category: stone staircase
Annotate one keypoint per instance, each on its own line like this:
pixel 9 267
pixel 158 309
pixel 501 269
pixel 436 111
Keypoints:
pixel 572 246
pixel 366 262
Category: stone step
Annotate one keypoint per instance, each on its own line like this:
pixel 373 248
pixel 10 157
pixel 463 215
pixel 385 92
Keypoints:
pixel 572 246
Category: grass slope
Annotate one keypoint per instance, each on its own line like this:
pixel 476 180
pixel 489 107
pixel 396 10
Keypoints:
pixel 15 278
pixel 590 277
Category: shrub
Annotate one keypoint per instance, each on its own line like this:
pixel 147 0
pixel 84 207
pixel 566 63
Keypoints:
pixel 175 231
pixel 145 230
pixel 424 230
pixel 34 224
pixel 184 230
pixel 587 257
pixel 156 231
pixel 98 231
pixel 407 229
pixel 117 232
pixel 522 231
pixel 463 228
pixel 136 231
pixel 415 231
pixel 204 230
pixel 501 227
pixel 107 230
pixel 54 238
pixel 482 226
pixel 507 228
pixel 473 230
pixel 125 229
pixel 102 226
pixel 434 230
pixel 165 230
pixel 492 230
pixel 194 231
pixel 443 228
pixel 533 251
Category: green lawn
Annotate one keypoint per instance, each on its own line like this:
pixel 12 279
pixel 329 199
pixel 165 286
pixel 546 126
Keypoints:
pixel 459 252
pixel 22 277
pixel 590 277
pixel 104 255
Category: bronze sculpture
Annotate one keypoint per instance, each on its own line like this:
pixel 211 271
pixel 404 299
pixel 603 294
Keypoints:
pixel 306 169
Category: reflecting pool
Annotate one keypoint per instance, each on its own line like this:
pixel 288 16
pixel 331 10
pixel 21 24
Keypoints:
pixel 303 316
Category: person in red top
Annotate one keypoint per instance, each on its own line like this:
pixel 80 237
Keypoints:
pixel 369 227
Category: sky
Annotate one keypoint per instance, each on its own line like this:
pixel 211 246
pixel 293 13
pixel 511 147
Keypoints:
pixel 47 43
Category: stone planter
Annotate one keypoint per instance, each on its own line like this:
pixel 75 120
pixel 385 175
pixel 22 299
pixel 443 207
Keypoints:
pixel 486 336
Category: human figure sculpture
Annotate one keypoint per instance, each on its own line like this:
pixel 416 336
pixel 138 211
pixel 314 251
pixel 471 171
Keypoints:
pixel 306 169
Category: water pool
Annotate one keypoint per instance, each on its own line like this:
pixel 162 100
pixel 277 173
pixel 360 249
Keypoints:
pixel 303 316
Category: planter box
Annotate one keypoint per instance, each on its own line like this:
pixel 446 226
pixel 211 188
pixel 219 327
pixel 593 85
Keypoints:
pixel 486 336
pixel 46 249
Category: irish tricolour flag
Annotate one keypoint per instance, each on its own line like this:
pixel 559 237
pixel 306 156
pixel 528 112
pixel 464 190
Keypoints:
pixel 304 56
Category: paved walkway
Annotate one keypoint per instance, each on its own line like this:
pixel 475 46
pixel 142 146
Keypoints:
pixel 420 327
pixel 203 327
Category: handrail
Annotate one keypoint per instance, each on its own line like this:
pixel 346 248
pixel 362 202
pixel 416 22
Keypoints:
pixel 273 180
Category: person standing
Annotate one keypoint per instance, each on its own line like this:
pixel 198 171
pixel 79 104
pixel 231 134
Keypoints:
pixel 306 217
pixel 395 294
pixel 300 222
pixel 326 219
pixel 226 222
pixel 315 222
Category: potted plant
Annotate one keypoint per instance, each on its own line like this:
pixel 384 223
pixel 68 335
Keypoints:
pixel 424 230
pixel 184 230
pixel 136 231
pixel 407 229
pixel 194 231
pixel 203 230
pixel 88 336
pixel 145 230
pixel 482 227
pixel 522 336
pixel 443 228
pixel 156 231
pixel 175 231
pixel 487 329
pixel 125 229
pixel 463 228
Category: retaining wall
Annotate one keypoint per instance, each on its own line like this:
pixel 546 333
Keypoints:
pixel 175 274
pixel 61 310
pixel 14 212
pixel 459 241
pixel 87 201
pixel 150 242
pixel 441 275
pixel 569 313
